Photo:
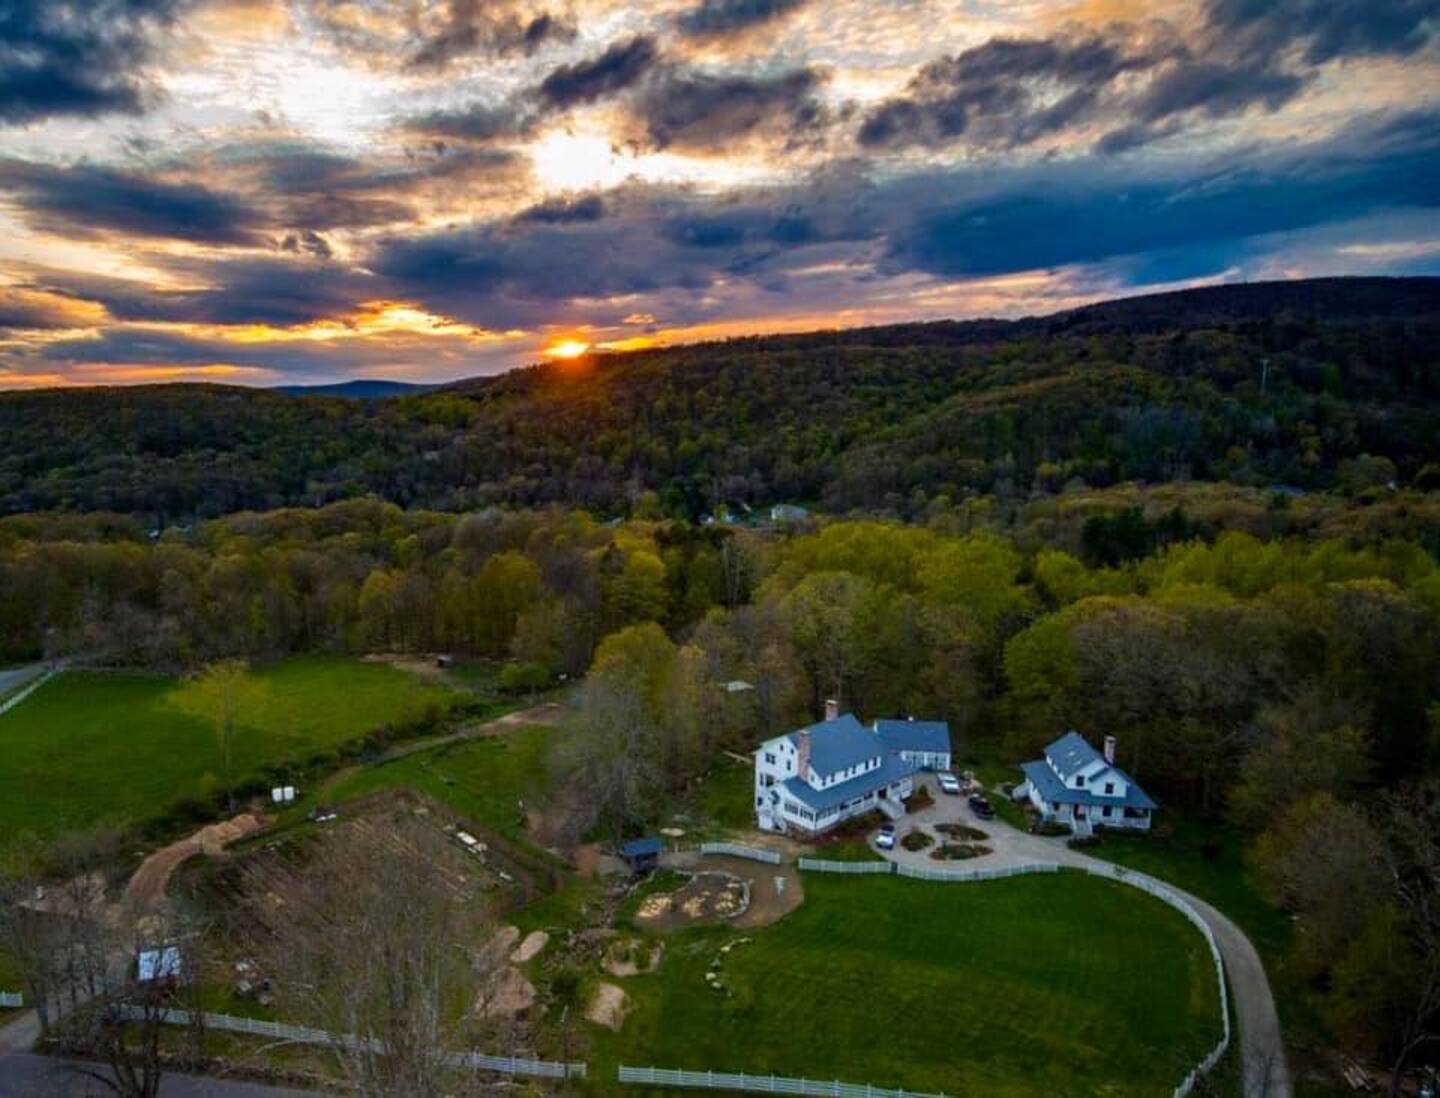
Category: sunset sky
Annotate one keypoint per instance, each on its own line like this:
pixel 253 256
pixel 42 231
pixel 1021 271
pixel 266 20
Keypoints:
pixel 276 191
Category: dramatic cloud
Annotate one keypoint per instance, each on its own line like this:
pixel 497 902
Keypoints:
pixel 77 57
pixel 1140 80
pixel 717 18
pixel 619 67
pixel 706 112
pixel 429 35
pixel 86 199
pixel 249 189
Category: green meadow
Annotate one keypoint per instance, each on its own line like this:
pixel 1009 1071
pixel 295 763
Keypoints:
pixel 121 748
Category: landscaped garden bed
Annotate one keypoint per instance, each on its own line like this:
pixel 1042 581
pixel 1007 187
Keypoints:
pixel 915 839
pixel 958 852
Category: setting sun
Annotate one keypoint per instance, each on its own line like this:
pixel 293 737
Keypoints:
pixel 567 348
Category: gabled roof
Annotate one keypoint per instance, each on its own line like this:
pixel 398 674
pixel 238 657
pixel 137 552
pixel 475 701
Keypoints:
pixel 1072 753
pixel 1055 791
pixel 839 744
pixel 892 769
pixel 913 735
pixel 641 848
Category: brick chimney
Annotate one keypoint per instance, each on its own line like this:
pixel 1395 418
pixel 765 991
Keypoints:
pixel 802 754
pixel 1110 750
pixel 832 708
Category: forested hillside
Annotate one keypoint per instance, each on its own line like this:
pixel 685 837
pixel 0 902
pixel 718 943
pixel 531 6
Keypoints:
pixel 1311 384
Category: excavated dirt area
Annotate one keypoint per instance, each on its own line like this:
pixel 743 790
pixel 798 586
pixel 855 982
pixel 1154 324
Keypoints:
pixel 147 887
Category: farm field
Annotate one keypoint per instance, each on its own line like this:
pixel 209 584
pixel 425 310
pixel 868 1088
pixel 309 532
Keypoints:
pixel 1011 987
pixel 90 747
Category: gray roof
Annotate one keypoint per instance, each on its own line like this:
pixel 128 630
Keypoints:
pixel 1057 792
pixel 1072 753
pixel 913 735
pixel 892 769
pixel 839 744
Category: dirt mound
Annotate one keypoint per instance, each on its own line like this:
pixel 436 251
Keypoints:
pixel 534 942
pixel 509 994
pixel 607 1007
pixel 501 945
pixel 147 886
pixel 706 897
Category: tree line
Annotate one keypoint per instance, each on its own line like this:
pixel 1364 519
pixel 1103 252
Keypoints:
pixel 1330 384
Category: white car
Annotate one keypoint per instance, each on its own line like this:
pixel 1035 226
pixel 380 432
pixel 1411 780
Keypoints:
pixel 949 784
pixel 886 839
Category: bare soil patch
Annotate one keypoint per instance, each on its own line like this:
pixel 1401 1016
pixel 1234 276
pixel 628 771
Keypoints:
pixel 607 1007
pixel 148 884
pixel 508 995
pixel 534 942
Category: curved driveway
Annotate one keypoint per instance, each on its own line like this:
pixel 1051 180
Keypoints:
pixel 1262 1052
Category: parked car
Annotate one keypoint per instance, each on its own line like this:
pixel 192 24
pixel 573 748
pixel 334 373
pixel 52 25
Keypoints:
pixel 981 807
pixel 886 839
pixel 949 783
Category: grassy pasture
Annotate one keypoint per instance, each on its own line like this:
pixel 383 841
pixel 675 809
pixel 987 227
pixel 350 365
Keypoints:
pixel 90 747
pixel 1032 985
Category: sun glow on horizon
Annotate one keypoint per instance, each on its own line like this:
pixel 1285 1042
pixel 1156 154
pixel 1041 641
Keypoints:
pixel 567 349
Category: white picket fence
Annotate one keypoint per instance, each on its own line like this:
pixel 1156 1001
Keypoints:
pixel 769 1084
pixel 11 999
pixel 506 1065
pixel 922 873
pixel 821 865
pixel 769 857
pixel 1166 894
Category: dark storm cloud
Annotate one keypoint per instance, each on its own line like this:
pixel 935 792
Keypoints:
pixel 1001 92
pixel 718 18
pixel 479 122
pixel 1243 54
pixel 431 34
pixel 1067 218
pixel 278 290
pixel 1325 29
pixel 590 207
pixel 705 111
pixel 473 26
pixel 84 200
pixel 620 66
pixel 77 57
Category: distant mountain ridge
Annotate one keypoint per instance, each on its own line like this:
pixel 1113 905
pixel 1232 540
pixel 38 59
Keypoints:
pixel 1310 385
pixel 360 389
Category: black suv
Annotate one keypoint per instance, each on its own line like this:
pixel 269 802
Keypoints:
pixel 981 807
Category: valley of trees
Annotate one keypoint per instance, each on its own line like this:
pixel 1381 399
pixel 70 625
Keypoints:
pixel 1320 384
pixel 1290 686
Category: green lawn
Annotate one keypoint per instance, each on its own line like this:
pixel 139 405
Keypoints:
pixel 483 779
pixel 92 746
pixel 1035 985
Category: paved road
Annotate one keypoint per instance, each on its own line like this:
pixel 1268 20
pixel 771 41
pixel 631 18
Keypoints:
pixel 1262 1051
pixel 27 1076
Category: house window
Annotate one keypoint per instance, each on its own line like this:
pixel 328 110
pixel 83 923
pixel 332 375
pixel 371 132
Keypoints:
pixel 770 758
pixel 1110 789
pixel 759 801
pixel 1106 813
pixel 1080 780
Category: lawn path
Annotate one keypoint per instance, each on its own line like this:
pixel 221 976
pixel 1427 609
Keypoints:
pixel 1264 1070
pixel 547 713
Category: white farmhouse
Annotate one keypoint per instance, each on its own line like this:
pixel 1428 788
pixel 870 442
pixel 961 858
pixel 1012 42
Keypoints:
pixel 809 780
pixel 1075 784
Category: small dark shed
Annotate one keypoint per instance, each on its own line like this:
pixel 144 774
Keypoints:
pixel 641 855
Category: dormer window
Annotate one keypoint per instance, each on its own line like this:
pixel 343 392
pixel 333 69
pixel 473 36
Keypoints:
pixel 1079 780
pixel 1110 789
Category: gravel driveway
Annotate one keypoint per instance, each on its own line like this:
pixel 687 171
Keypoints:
pixel 1266 1074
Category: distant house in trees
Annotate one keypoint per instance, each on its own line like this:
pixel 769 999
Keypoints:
pixel 1075 784
pixel 812 779
pixel 788 512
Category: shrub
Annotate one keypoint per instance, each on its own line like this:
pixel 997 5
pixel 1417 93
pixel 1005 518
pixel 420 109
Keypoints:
pixel 524 678
pixel 1080 842
pixel 915 839
pixel 958 852
pixel 921 798
pixel 1051 829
